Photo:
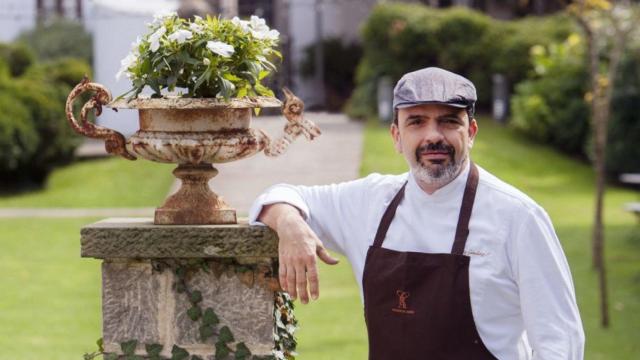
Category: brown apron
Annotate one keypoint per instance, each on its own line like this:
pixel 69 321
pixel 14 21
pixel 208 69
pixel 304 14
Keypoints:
pixel 417 305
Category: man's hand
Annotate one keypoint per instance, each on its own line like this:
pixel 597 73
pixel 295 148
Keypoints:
pixel 297 250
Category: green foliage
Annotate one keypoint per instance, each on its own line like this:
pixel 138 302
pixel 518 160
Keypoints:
pixel 623 150
pixel 59 39
pixel 35 141
pixel 340 62
pixel 18 138
pixel 550 106
pixel 399 38
pixel 18 56
pixel 212 57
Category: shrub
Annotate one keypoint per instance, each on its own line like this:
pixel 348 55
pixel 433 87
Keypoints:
pixel 550 107
pixel 59 39
pixel 18 137
pixel 623 151
pixel 398 38
pixel 17 56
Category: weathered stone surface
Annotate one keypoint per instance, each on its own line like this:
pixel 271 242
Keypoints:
pixel 130 302
pixel 140 238
pixel 247 311
pixel 140 303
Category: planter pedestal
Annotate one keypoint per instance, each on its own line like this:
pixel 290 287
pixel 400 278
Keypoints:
pixel 139 300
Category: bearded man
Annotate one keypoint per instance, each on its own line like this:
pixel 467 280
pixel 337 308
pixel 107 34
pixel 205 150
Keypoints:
pixel 452 262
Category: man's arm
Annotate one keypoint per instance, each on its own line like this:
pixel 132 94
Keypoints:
pixel 547 296
pixel 297 249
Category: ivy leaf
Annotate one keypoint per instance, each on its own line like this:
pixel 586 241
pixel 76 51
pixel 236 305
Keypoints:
pixel 263 74
pixel 210 317
pixel 100 344
pixel 256 111
pixel 194 313
pixel 222 351
pixel 129 347
pixel 195 297
pixel 178 353
pixel 225 335
pixel 242 351
pixel 206 331
pixel 242 92
pixel 153 349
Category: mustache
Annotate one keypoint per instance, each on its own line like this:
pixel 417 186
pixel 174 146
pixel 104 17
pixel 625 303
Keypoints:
pixel 438 147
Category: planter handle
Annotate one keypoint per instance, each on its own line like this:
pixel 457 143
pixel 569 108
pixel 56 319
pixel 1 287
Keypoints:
pixel 297 125
pixel 114 142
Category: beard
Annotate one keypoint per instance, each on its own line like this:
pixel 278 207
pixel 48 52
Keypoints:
pixel 437 173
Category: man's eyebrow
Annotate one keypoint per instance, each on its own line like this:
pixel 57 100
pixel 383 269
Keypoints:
pixel 449 116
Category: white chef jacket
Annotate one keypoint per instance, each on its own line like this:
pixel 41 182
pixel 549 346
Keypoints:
pixel 522 295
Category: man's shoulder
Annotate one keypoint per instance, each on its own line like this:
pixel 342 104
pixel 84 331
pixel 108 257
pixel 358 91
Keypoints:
pixel 500 192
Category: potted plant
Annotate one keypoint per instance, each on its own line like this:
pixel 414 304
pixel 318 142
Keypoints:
pixel 206 77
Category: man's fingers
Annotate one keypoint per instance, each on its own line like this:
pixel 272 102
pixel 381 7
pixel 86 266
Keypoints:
pixel 291 283
pixel 324 255
pixel 312 276
pixel 282 276
pixel 301 283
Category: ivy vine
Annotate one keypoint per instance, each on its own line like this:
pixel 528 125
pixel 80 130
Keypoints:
pixel 208 322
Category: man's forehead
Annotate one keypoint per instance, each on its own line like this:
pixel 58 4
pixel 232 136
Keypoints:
pixel 430 110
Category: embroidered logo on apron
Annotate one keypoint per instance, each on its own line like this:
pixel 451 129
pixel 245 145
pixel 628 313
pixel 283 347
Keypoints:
pixel 402 303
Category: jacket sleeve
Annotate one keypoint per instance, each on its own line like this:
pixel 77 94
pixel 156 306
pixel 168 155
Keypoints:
pixel 330 210
pixel 547 296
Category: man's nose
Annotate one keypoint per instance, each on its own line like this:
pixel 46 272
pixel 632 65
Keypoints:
pixel 432 133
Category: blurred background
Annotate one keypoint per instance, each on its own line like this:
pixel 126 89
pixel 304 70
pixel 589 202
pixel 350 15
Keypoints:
pixel 531 61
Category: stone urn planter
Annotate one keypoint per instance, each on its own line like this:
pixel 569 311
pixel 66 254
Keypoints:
pixel 193 133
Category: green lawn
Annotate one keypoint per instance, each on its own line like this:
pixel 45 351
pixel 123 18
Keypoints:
pixel 109 182
pixel 50 297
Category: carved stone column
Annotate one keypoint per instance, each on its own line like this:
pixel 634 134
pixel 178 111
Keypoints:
pixel 141 299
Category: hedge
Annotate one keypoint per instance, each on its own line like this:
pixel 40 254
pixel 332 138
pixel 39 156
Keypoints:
pixel 398 38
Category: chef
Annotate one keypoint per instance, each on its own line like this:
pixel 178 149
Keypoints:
pixel 452 262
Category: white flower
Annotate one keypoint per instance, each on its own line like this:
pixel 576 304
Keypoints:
pixel 154 39
pixel 243 24
pixel 220 48
pixel 125 64
pixel 160 16
pixel 180 36
pixel 206 61
pixel 260 30
pixel 196 28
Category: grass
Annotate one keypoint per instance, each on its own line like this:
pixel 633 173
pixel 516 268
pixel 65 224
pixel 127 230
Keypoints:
pixel 50 297
pixel 333 327
pixel 110 182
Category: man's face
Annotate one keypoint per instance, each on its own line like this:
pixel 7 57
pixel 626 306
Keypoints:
pixel 435 140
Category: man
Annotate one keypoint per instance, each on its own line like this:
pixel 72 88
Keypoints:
pixel 453 263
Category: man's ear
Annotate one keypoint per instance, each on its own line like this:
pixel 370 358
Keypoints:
pixel 395 134
pixel 473 131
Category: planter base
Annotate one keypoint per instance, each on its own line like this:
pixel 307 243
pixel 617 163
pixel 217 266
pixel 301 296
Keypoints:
pixel 195 203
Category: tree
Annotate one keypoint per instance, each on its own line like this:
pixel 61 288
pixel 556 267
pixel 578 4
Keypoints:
pixel 607 26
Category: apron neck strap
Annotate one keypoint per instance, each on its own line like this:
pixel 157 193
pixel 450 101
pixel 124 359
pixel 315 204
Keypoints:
pixel 388 217
pixel 462 229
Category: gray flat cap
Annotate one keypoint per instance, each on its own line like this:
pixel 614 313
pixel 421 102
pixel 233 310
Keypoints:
pixel 433 85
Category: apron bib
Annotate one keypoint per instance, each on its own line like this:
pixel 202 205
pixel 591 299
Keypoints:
pixel 417 305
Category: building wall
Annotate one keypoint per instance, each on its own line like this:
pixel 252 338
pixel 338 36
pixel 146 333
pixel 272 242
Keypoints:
pixel 16 16
pixel 340 18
